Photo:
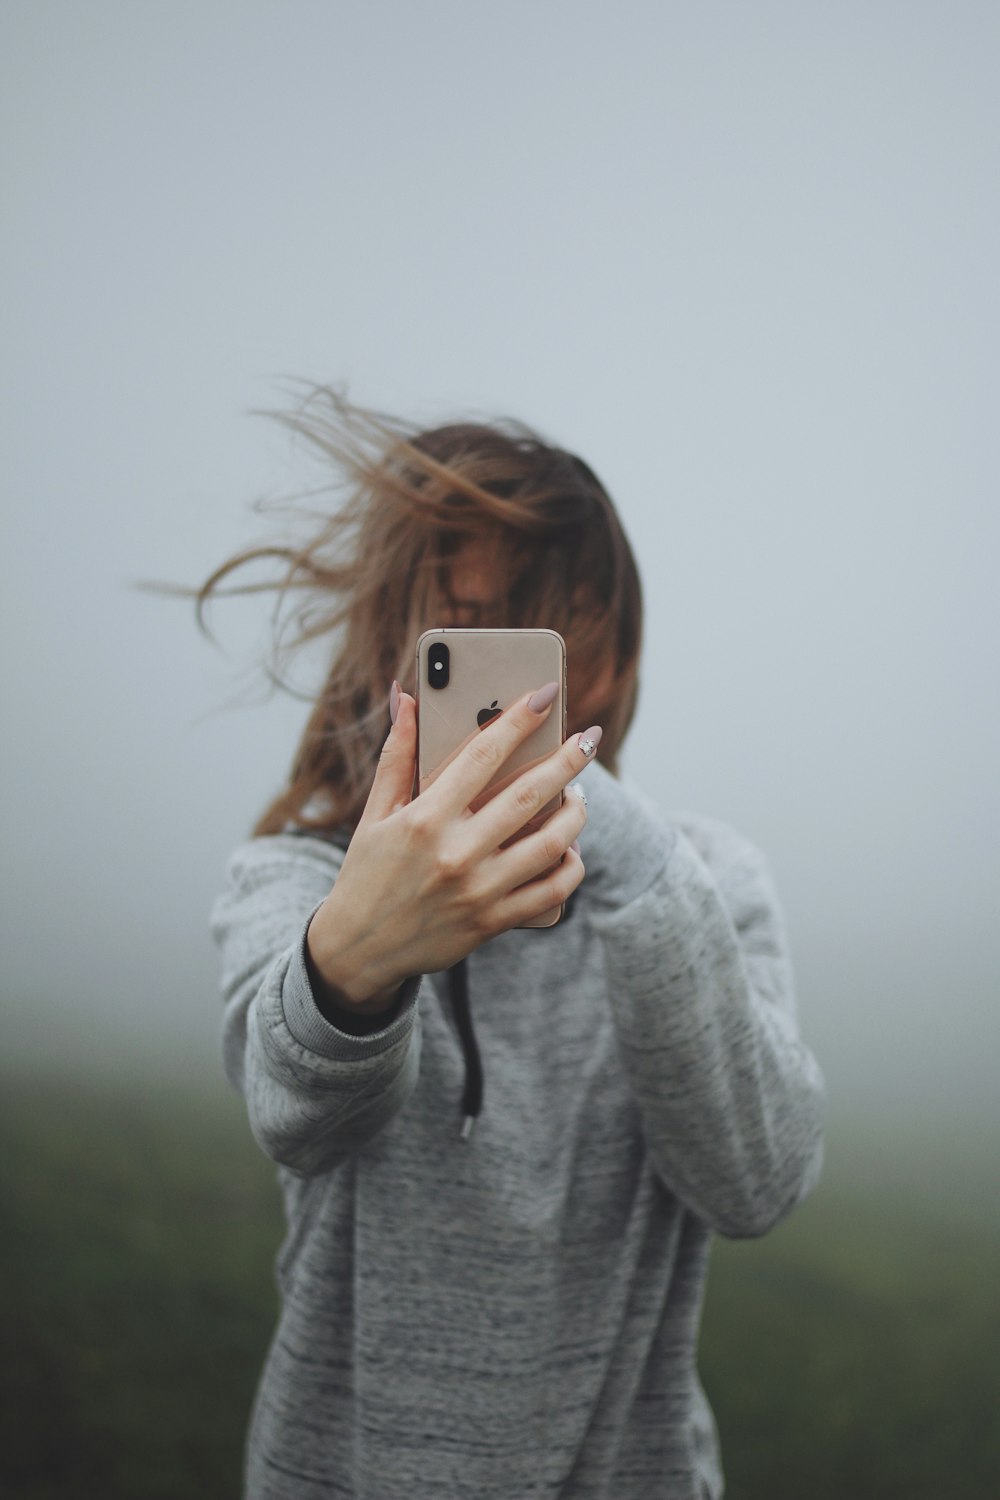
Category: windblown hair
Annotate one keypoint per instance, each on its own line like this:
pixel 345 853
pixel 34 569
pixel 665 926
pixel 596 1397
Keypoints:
pixel 376 571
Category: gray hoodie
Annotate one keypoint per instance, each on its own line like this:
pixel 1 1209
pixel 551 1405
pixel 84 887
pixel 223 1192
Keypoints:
pixel 515 1314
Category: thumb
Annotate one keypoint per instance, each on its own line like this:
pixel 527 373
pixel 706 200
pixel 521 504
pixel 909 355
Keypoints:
pixel 397 764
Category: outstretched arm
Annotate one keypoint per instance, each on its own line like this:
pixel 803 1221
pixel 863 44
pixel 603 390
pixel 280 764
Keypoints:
pixel 701 987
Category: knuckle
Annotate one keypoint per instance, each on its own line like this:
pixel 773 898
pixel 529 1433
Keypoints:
pixel 484 751
pixel 553 847
pixel 387 761
pixel 526 797
pixel 569 878
pixel 421 818
pixel 449 864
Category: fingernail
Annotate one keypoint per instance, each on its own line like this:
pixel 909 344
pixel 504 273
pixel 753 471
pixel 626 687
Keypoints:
pixel 589 740
pixel 394 700
pixel 539 702
pixel 575 846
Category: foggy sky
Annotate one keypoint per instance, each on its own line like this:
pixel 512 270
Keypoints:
pixel 741 258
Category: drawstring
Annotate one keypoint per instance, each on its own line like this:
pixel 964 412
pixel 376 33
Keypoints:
pixel 458 994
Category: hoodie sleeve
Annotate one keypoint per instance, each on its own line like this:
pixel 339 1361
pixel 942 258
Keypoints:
pixel 701 988
pixel 314 1093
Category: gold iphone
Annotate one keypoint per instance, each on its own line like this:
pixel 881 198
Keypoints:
pixel 464 679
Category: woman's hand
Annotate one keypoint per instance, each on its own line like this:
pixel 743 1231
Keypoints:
pixel 425 881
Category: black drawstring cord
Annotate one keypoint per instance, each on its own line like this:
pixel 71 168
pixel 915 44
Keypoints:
pixel 458 994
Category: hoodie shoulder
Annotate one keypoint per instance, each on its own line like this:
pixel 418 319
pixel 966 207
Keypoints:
pixel 718 843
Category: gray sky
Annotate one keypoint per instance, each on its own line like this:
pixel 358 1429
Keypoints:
pixel 741 257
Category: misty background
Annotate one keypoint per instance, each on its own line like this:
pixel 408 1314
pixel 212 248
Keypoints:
pixel 742 258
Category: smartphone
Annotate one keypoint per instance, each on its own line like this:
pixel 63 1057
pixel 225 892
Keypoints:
pixel 465 677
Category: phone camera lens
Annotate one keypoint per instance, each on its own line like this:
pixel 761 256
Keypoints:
pixel 438 665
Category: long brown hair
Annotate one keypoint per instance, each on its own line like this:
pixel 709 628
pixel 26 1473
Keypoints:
pixel 376 570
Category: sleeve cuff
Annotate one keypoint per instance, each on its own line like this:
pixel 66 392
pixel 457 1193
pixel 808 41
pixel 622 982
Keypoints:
pixel 311 1028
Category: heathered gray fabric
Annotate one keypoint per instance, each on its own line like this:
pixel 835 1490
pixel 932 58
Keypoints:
pixel 516 1315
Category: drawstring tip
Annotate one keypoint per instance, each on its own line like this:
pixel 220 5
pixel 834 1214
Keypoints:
pixel 467 1126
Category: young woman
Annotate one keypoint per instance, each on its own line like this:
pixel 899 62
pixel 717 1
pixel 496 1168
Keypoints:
pixel 511 1309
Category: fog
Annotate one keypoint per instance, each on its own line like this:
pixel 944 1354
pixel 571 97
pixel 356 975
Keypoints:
pixel 741 258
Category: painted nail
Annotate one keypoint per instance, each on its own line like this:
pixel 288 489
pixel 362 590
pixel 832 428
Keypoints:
pixel 589 740
pixel 394 700
pixel 575 846
pixel 539 702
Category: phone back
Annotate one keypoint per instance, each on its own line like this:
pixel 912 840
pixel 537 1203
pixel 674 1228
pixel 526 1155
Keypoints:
pixel 484 672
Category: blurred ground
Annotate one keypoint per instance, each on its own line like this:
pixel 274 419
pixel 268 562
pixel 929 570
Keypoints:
pixel 851 1353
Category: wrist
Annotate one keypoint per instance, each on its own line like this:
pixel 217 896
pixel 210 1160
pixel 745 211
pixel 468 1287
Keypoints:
pixel 341 975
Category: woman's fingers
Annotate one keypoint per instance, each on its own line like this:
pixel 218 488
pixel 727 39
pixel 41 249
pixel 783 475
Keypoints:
pixel 476 765
pixel 392 787
pixel 508 812
pixel 538 897
pixel 540 851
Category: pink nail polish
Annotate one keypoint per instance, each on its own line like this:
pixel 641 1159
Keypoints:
pixel 394 700
pixel 589 740
pixel 539 702
pixel 575 846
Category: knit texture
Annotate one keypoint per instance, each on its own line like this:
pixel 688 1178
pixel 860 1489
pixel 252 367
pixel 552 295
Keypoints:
pixel 515 1315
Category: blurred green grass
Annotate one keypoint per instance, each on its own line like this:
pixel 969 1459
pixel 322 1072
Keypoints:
pixel 852 1353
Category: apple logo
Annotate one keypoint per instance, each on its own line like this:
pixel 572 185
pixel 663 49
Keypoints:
pixel 486 714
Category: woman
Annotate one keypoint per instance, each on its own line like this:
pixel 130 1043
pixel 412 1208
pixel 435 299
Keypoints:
pixel 510 1309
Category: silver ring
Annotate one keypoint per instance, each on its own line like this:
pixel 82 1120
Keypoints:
pixel 575 786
